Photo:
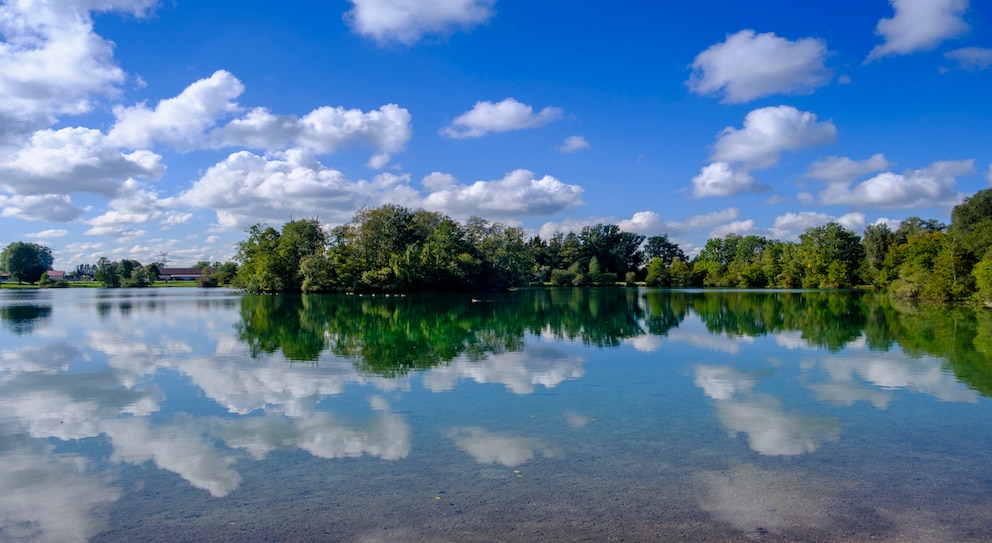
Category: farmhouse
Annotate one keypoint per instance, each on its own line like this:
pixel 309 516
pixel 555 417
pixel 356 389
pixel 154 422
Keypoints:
pixel 179 274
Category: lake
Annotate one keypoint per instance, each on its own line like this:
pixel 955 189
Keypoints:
pixel 543 415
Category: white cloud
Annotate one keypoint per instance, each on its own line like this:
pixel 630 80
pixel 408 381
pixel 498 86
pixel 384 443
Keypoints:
pixel 245 189
pixel 74 160
pixel 48 234
pixel 844 170
pixel 768 132
pixel 787 227
pixel 642 222
pixel 708 219
pixel 721 179
pixel 518 194
pixel 971 58
pixel 189 121
pixel 135 206
pixel 486 117
pixel 52 63
pixel 323 130
pixel 919 25
pixel 438 181
pixel 573 144
pixel 45 207
pixel 748 65
pixel 649 223
pixel 988 174
pixel 742 228
pixel 407 21
pixel 179 121
pixel 929 187
pixel 378 161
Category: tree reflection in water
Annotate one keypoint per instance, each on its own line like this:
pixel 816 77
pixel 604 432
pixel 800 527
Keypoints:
pixel 390 336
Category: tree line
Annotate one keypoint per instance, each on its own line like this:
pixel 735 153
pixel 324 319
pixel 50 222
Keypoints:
pixel 394 248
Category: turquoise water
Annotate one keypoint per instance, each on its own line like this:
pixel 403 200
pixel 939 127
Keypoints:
pixel 563 415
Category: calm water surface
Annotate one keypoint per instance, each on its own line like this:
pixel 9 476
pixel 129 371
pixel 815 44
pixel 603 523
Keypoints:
pixel 562 415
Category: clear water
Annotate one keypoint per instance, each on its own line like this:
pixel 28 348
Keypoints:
pixel 564 415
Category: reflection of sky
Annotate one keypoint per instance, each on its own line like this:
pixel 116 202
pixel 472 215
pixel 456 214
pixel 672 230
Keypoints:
pixel 111 379
pixel 520 372
pixel 770 429
pixel 50 498
pixel 691 331
pixel 487 447
pixel 774 430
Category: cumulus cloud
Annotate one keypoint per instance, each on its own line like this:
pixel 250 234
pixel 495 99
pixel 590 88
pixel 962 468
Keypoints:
pixel 742 228
pixel 647 223
pixel 844 170
pixel 924 188
pixel 179 121
pixel 53 233
pixel 45 207
pixel 919 25
pixel 573 144
pixel 407 21
pixel 486 117
pixel 790 225
pixel 518 194
pixel 721 179
pixel 323 130
pixel 749 65
pixel 74 160
pixel 52 63
pixel 642 222
pixel 190 121
pixel 971 58
pixel 135 206
pixel 768 132
pixel 245 188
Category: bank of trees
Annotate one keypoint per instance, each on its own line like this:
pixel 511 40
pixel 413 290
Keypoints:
pixel 26 262
pixel 393 248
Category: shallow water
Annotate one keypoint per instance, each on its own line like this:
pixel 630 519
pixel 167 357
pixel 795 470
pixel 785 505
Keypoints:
pixel 562 415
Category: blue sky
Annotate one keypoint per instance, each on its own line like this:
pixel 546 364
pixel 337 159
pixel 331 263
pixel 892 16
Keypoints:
pixel 135 128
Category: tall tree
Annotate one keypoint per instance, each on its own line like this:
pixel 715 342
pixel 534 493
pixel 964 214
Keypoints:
pixel 831 255
pixel 971 222
pixel 26 261
pixel 663 248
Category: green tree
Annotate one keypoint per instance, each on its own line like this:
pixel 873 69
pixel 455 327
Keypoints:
pixel 663 248
pixel 971 223
pixel 831 255
pixel 108 272
pixel 983 280
pixel 26 262
pixel 877 240
pixel 658 273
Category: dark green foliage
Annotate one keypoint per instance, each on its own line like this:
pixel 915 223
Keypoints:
pixel 26 262
pixel 663 248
